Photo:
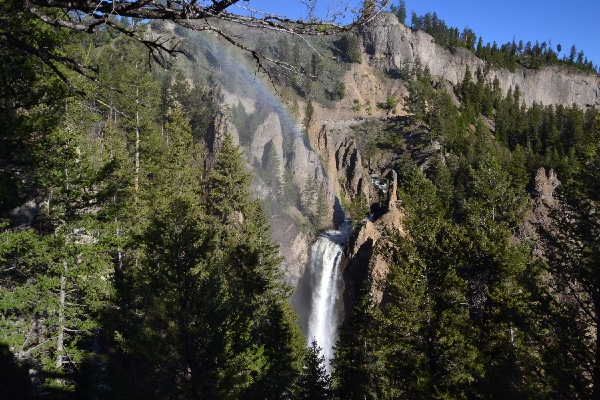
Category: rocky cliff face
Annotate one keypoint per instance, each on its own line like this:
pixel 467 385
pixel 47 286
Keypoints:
pixel 342 160
pixel 543 202
pixel 268 136
pixel 328 154
pixel 301 161
pixel 391 45
pixel 223 127
pixel 365 260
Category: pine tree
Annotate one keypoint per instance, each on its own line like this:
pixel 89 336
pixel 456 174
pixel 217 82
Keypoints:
pixel 177 298
pixel 204 310
pixel 314 382
pixel 399 11
pixel 419 92
pixel 228 184
pixel 573 304
pixel 322 205
pixel 175 289
pixel 272 167
pixel 57 271
pixel 502 278
pixel 350 48
pixel 428 348
pixel 357 365
pixel 309 194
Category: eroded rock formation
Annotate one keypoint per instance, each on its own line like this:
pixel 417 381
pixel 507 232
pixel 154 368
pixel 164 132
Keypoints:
pixel 543 202
pixel 392 45
pixel 365 257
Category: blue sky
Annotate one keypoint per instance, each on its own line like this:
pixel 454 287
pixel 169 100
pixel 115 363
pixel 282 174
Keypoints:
pixel 566 23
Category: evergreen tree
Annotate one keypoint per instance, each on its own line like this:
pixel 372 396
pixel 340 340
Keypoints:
pixel 314 382
pixel 198 104
pixel 208 288
pixel 357 367
pixel 322 206
pixel 56 272
pixel 501 283
pixel 177 298
pixel 415 21
pixel 250 264
pixel 400 11
pixel 572 303
pixel 228 183
pixel 309 194
pixel 272 168
pixel 428 347
pixel 316 65
pixel 357 210
pixel 350 48
pixel 419 92
pixel 308 114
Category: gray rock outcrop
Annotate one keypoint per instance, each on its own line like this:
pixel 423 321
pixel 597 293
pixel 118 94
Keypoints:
pixel 365 261
pixel 545 185
pixel 349 167
pixel 24 215
pixel 223 126
pixel 543 202
pixel 268 134
pixel 392 45
pixel 343 160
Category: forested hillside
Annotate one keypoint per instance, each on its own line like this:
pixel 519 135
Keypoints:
pixel 134 264
pixel 508 55
pixel 136 261
pixel 470 309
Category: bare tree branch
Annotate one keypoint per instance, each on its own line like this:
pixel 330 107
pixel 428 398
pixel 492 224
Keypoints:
pixel 89 15
pixel 189 10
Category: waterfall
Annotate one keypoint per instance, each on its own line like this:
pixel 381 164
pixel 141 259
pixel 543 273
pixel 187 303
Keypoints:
pixel 325 281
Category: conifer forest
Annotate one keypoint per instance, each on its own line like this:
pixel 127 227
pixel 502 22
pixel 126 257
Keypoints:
pixel 147 209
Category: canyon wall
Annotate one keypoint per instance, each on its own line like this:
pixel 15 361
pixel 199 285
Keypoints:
pixel 327 152
pixel 391 45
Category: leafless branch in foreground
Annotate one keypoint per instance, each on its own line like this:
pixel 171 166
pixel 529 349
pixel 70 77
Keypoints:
pixel 199 15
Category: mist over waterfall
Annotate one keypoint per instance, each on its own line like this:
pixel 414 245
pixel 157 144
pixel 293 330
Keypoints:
pixel 326 288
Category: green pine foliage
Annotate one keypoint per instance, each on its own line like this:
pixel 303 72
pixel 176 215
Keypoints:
pixel 467 310
pixel 142 273
pixel 350 49
pixel 228 183
pixel 357 367
pixel 143 268
pixel 313 382
pixel 419 91
pixel 508 55
pixel 400 11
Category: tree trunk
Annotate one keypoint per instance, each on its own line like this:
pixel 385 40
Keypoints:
pixel 596 366
pixel 596 309
pixel 137 141
pixel 61 317
pixel 119 251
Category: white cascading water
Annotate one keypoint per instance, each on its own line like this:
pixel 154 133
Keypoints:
pixel 325 283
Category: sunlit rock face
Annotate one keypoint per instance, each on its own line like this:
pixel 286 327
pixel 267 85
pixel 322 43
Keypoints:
pixel 268 134
pixel 328 153
pixel 393 45
pixel 281 160
pixel 538 217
